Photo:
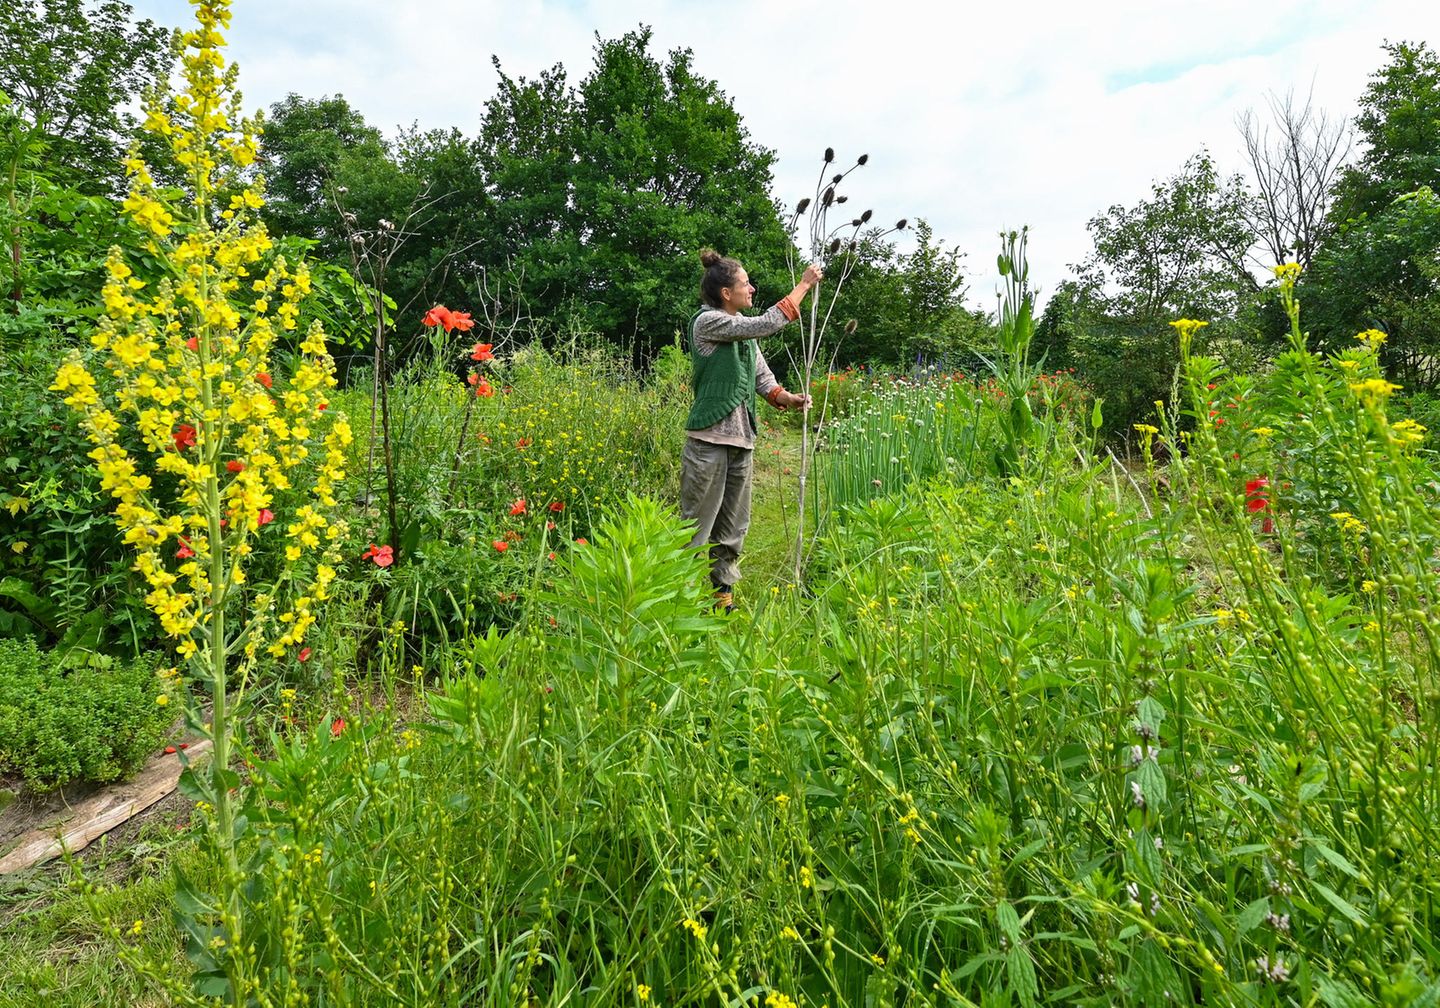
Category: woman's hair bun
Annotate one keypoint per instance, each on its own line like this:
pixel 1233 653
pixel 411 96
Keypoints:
pixel 709 257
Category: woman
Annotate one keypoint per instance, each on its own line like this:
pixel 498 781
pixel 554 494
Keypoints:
pixel 729 372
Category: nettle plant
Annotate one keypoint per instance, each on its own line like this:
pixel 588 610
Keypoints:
pixel 835 246
pixel 220 437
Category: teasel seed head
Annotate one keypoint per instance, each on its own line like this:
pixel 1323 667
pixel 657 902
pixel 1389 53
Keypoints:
pixel 837 180
pixel 856 222
pixel 862 159
pixel 841 199
pixel 865 217
pixel 853 246
pixel 802 206
pixel 850 327
pixel 828 197
pixel 900 224
pixel 834 246
pixel 829 154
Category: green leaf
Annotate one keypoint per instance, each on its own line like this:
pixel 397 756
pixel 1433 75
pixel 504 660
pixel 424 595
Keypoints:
pixel 1252 915
pixel 1021 972
pixel 1334 857
pixel 1008 921
pixel 1340 903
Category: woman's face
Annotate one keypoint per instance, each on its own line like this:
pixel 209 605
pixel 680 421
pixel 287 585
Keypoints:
pixel 740 294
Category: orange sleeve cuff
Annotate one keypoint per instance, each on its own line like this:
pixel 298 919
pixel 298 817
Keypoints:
pixel 773 394
pixel 788 308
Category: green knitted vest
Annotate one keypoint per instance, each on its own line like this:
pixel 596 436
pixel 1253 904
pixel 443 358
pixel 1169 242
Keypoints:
pixel 722 381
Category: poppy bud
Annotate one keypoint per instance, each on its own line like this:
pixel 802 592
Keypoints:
pixel 862 159
pixel 829 154
pixel 850 327
pixel 803 205
pixel 865 217
pixel 900 224
pixel 835 246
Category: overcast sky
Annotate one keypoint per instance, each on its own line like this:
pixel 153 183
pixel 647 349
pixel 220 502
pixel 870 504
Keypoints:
pixel 976 117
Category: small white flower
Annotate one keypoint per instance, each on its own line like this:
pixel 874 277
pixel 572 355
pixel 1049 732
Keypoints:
pixel 1140 753
pixel 1272 972
pixel 1136 795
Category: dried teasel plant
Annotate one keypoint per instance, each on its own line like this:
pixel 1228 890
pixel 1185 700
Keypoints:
pixel 834 247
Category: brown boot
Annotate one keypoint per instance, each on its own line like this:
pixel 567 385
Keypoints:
pixel 725 600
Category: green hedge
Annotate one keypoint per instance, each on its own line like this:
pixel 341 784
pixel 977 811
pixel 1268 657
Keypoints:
pixel 59 725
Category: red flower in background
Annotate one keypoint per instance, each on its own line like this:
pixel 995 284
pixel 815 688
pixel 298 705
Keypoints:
pixel 304 655
pixel 184 552
pixel 263 377
pixel 1257 498
pixel 193 343
pixel 265 517
pixel 336 727
pixel 557 506
pixel 523 442
pixel 518 508
pixel 483 389
pixel 235 465
pixel 448 320
pixel 500 545
pixel 184 436
pixel 383 556
pixel 481 352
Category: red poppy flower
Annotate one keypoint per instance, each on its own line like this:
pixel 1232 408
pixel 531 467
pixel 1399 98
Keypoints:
pixel 265 517
pixel 169 750
pixel 460 320
pixel 184 436
pixel 481 352
pixel 184 552
pixel 193 343
pixel 582 541
pixel 474 378
pixel 383 556
pixel 263 377
pixel 322 407
pixel 235 465
pixel 552 556
pixel 523 442
pixel 557 506
pixel 549 526
pixel 518 508
pixel 483 389
pixel 1256 494
pixel 304 655
pixel 512 536
pixel 439 315
pixel 336 727
pixel 500 545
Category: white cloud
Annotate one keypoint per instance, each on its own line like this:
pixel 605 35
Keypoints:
pixel 976 119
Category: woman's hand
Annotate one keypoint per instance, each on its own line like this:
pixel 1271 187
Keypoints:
pixel 813 275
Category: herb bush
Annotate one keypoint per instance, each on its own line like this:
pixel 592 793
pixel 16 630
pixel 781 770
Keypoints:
pixel 60 724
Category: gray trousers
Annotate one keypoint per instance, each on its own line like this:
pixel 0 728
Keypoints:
pixel 715 495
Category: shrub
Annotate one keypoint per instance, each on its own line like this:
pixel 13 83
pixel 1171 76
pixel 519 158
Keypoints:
pixel 59 724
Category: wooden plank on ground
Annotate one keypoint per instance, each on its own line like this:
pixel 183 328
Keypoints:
pixel 101 813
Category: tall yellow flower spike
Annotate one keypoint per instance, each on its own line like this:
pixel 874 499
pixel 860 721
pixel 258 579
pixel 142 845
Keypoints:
pixel 188 359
